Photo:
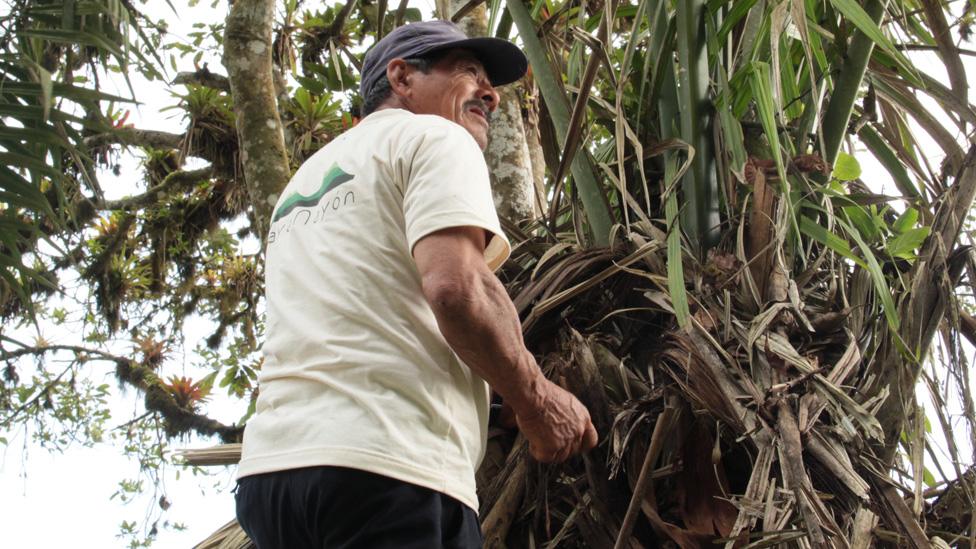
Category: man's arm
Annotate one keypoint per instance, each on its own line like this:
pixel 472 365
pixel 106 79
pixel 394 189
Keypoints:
pixel 479 322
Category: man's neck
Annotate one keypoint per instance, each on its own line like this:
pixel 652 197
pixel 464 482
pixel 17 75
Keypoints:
pixel 393 102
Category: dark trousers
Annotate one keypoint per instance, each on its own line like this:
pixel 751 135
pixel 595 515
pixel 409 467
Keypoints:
pixel 340 508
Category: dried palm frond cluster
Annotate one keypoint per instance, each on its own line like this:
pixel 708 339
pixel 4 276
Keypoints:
pixel 748 427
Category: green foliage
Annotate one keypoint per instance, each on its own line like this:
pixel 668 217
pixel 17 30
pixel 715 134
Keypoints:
pixel 846 168
pixel 314 121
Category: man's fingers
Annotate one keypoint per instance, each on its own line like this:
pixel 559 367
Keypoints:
pixel 590 437
pixel 554 456
pixel 545 455
pixel 569 431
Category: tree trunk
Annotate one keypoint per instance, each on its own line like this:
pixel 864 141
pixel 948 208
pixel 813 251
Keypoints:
pixel 247 56
pixel 509 161
pixel 533 139
pixel 508 158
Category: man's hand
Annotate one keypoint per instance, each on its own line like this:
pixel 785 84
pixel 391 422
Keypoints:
pixel 559 428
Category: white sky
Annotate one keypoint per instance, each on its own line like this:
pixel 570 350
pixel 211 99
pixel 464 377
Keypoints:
pixel 62 500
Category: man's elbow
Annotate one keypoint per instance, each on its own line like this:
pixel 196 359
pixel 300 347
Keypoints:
pixel 451 296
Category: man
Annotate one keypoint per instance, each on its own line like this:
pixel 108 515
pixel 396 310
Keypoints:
pixel 385 319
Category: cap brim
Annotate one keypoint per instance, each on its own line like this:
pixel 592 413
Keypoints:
pixel 503 61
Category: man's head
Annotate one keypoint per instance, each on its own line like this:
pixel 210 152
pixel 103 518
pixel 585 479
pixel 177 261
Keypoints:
pixel 433 68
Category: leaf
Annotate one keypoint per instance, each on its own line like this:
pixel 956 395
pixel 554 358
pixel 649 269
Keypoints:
pixel 905 221
pixel 229 377
pixel 881 287
pixel 75 37
pixel 19 193
pixel 26 161
pixel 676 277
pixel 33 111
pixel 412 15
pixel 42 134
pixel 846 167
pixel 313 85
pixel 206 384
pixel 61 90
pixel 863 222
pixel 854 13
pixel 759 82
pixel 890 160
pixel 819 233
pixel 905 244
pixel 585 174
pixel 738 11
pixel 47 89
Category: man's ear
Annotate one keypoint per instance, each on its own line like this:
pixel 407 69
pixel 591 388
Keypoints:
pixel 398 73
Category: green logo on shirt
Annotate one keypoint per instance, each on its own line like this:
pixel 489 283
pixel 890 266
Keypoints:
pixel 332 179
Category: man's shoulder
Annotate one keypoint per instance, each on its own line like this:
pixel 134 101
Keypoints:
pixel 411 126
pixel 433 122
pixel 401 134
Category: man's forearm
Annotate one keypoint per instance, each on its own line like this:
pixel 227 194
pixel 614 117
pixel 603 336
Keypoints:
pixel 481 325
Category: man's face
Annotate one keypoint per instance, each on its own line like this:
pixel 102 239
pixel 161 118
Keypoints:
pixel 456 88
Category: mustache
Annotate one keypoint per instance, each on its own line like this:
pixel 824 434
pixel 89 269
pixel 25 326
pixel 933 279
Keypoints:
pixel 481 105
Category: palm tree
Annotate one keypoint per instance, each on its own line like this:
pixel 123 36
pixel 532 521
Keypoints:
pixel 744 314
pixel 760 322
pixel 772 310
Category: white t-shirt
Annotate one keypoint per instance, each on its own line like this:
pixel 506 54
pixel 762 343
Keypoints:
pixel 356 372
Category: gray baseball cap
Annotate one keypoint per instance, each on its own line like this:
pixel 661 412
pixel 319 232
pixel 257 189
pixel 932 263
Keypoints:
pixel 503 61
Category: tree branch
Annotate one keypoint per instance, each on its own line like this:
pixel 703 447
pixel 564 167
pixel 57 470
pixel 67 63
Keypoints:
pixel 173 180
pixel 400 13
pixel 177 419
pixel 465 9
pixel 932 279
pixel 335 29
pixel 203 77
pixel 967 326
pixel 6 422
pixel 926 47
pixel 136 137
pixel 24 351
pixel 935 14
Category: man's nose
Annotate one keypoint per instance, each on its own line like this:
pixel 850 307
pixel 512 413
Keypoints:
pixel 489 96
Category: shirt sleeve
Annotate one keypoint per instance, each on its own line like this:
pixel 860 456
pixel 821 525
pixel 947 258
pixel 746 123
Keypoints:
pixel 446 185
